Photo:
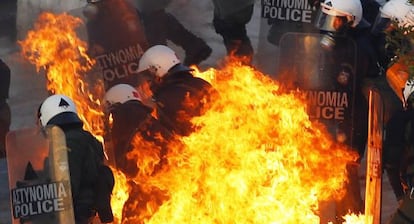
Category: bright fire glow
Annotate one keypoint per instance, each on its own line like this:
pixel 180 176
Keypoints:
pixel 53 46
pixel 257 158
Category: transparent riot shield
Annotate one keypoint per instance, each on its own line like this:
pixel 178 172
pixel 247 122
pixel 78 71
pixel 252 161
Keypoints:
pixel 115 38
pixel 276 19
pixel 39 178
pixel 374 158
pixel 326 76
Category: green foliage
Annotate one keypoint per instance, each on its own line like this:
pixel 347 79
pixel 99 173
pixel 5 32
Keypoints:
pixel 400 40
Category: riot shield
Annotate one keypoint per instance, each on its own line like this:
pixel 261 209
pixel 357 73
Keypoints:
pixel 116 41
pixel 39 178
pixel 278 18
pixel 326 76
pixel 374 158
pixel 327 79
pixel 115 38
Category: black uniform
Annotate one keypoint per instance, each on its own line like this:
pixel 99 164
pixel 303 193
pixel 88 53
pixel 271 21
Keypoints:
pixel 130 119
pixel 180 97
pixel 395 141
pixel 5 116
pixel 358 121
pixel 398 160
pixel 85 154
pixel 231 25
pixel 364 70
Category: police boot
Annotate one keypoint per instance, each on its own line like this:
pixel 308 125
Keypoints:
pixel 196 49
pixel 240 48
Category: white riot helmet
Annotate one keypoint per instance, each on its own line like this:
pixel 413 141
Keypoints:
pixel 160 59
pixel 121 93
pixel 331 10
pixel 400 10
pixel 407 91
pixel 58 109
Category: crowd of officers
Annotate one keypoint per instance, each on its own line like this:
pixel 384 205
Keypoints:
pixel 375 22
pixel 172 86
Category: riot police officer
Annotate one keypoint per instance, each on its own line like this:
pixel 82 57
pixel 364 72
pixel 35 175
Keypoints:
pixel 342 20
pixel 135 131
pixel 399 157
pixel 130 117
pixel 398 154
pixel 178 94
pixel 85 156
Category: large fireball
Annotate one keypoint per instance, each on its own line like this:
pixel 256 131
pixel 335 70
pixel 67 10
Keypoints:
pixel 255 158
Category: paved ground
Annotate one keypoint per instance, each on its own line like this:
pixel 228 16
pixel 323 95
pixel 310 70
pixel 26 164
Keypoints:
pixel 27 91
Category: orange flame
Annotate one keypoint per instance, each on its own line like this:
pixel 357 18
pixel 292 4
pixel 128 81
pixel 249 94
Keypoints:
pixel 119 195
pixel 145 198
pixel 356 219
pixel 256 157
pixel 53 45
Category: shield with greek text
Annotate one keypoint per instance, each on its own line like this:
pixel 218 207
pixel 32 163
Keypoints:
pixel 116 39
pixel 276 19
pixel 374 156
pixel 327 78
pixel 39 177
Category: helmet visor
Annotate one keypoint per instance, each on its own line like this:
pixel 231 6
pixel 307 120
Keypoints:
pixel 331 19
pixel 330 23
